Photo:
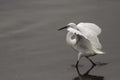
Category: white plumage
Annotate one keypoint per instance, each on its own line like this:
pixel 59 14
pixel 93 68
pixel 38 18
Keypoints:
pixel 83 37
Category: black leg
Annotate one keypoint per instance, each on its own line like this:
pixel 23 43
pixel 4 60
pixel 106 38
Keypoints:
pixel 77 63
pixel 90 60
pixel 77 67
pixel 79 74
pixel 86 73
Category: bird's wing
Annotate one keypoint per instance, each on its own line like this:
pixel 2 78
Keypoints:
pixel 74 31
pixel 89 28
pixel 82 42
pixel 90 31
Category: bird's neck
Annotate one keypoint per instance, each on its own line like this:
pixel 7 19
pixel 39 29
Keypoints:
pixel 71 41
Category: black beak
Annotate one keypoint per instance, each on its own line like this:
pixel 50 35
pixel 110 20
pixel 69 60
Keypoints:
pixel 63 28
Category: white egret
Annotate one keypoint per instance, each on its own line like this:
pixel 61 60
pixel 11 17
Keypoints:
pixel 83 38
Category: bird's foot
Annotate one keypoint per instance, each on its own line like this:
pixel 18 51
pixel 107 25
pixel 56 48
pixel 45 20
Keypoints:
pixel 100 64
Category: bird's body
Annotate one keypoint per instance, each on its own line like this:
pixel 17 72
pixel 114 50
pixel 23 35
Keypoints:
pixel 80 44
pixel 83 38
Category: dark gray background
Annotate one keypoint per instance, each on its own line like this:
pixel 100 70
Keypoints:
pixel 31 48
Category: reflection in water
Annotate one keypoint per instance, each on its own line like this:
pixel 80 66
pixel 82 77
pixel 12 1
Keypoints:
pixel 87 76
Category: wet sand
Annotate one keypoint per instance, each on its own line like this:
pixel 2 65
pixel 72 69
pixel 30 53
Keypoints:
pixel 32 48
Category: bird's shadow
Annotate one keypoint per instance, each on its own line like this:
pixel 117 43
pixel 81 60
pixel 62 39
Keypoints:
pixel 87 76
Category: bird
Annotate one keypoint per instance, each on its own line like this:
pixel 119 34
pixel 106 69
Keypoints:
pixel 83 37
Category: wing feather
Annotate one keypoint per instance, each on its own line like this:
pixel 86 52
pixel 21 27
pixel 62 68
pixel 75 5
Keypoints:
pixel 91 31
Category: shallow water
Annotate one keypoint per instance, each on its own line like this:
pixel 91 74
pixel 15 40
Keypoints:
pixel 32 48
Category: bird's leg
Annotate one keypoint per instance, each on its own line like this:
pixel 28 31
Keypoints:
pixel 90 60
pixel 77 63
pixel 79 56
pixel 86 73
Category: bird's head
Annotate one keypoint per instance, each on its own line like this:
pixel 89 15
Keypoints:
pixel 72 25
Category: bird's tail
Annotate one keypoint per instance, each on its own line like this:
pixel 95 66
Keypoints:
pixel 99 51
